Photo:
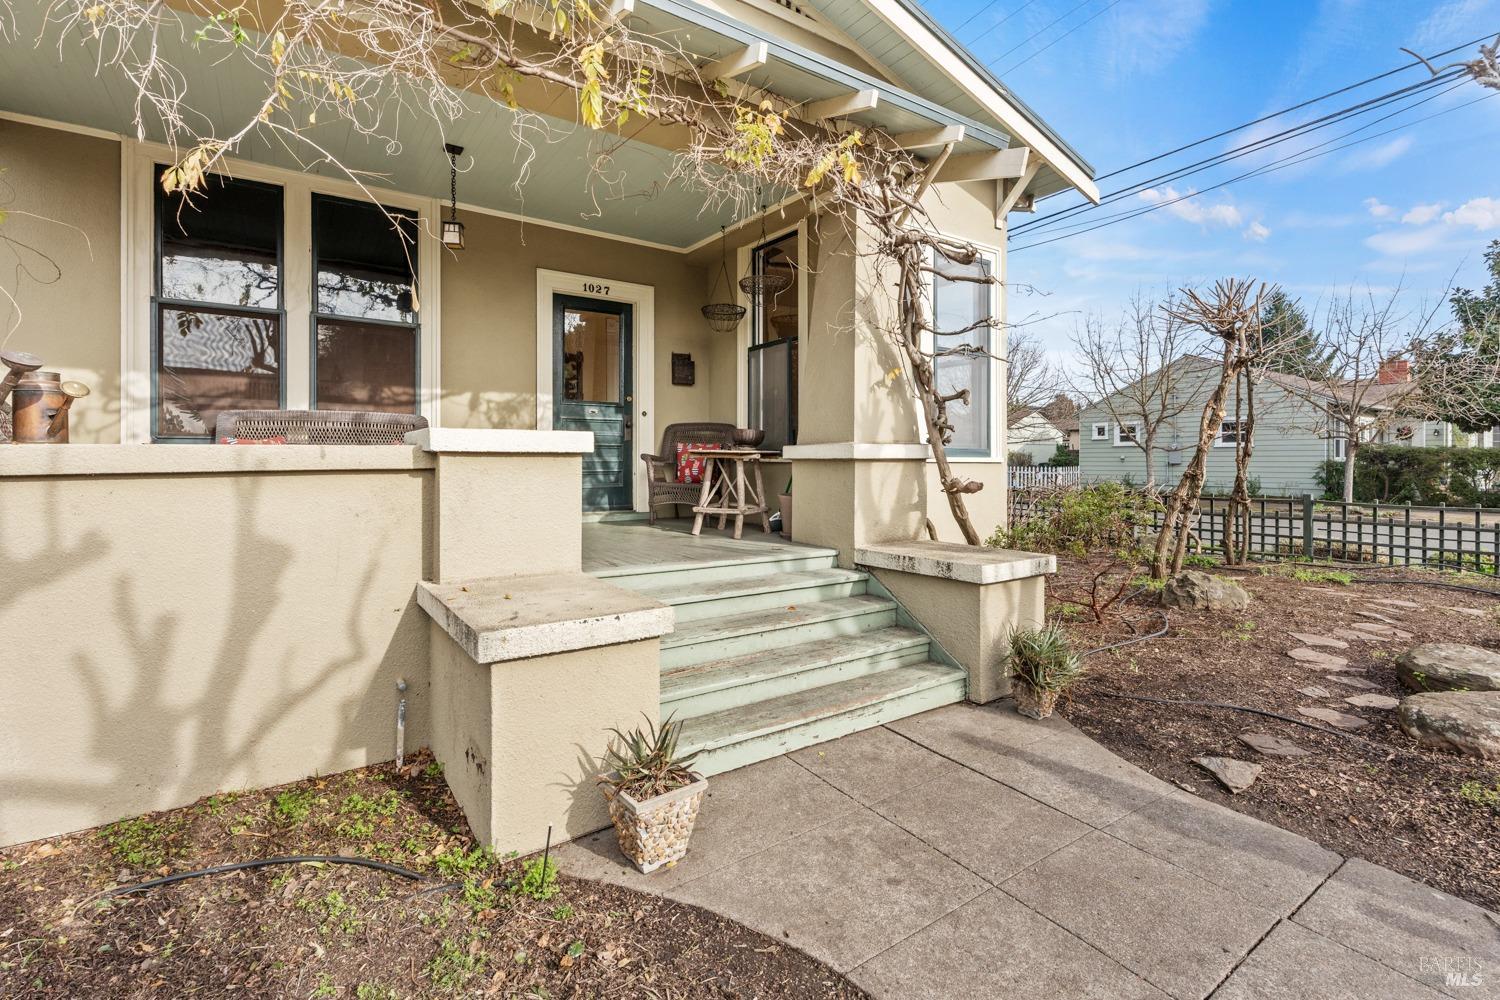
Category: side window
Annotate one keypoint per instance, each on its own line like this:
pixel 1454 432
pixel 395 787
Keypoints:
pixel 367 333
pixel 217 308
pixel 959 308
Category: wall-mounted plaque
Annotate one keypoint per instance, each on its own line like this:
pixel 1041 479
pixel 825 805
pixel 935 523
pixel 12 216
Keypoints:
pixel 682 369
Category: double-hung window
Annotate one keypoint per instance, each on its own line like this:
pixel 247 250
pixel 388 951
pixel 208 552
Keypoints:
pixel 217 311
pixel 772 360
pixel 1231 433
pixel 963 347
pixel 368 340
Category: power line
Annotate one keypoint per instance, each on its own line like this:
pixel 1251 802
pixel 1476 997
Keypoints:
pixel 1265 142
pixel 970 19
pixel 1022 42
pixel 998 23
pixel 1290 160
pixel 1076 228
pixel 1060 37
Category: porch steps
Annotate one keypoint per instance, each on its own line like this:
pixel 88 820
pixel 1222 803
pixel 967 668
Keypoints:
pixel 776 652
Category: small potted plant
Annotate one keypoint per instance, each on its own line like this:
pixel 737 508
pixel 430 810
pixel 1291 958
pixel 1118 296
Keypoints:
pixel 1043 667
pixel 653 794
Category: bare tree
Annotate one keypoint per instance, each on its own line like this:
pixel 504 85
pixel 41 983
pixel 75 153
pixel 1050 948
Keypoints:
pixel 1031 379
pixel 1132 371
pixel 1229 314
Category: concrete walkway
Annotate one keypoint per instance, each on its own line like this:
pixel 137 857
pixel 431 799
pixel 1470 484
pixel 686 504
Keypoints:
pixel 971 853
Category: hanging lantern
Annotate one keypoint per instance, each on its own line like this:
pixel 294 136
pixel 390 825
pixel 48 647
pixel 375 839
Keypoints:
pixel 723 317
pixel 757 286
pixel 453 230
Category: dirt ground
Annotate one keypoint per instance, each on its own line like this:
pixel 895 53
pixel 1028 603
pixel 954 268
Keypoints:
pixel 478 927
pixel 1432 815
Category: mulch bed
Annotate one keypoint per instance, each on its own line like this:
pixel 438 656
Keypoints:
pixel 1430 814
pixel 335 931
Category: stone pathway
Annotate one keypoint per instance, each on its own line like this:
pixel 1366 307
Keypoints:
pixel 968 852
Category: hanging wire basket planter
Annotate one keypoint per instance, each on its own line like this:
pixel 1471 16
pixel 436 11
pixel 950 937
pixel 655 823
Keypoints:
pixel 723 317
pixel 765 283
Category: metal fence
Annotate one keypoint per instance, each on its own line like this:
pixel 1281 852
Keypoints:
pixel 1453 538
pixel 1024 476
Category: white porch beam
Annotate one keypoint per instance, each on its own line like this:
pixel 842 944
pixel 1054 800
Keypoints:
pixel 1008 194
pixel 943 135
pixel 751 57
pixel 1001 164
pixel 844 104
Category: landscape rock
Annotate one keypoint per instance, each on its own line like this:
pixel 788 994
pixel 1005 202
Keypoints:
pixel 1358 636
pixel 1377 616
pixel 1234 775
pixel 1204 592
pixel 1349 680
pixel 1334 718
pixel 1392 602
pixel 1373 701
pixel 1309 639
pixel 1317 658
pixel 1272 746
pixel 1471 612
pixel 1465 721
pixel 1381 631
pixel 1448 666
pixel 1315 692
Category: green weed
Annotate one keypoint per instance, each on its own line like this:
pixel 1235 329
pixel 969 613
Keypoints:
pixel 325 988
pixel 293 806
pixel 140 842
pixel 1480 794
pixel 454 965
pixel 335 913
pixel 375 991
pixel 538 879
pixel 563 912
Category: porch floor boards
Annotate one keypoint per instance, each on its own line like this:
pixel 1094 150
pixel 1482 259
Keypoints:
pixel 618 549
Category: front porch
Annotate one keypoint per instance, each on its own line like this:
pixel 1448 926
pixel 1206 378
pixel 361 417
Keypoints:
pixel 774 647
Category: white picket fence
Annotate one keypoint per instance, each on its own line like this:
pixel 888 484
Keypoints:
pixel 1023 476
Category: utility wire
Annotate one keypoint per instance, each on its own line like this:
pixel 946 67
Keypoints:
pixel 1237 152
pixel 1060 37
pixel 1022 42
pixel 1287 161
pixel 970 19
pixel 998 23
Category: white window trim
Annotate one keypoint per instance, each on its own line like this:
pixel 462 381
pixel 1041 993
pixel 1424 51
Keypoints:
pixel 1219 441
pixel 745 334
pixel 1121 442
pixel 999 437
pixel 138 270
pixel 1099 432
pixel 642 300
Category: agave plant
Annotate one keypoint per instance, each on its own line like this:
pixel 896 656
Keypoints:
pixel 643 763
pixel 1042 659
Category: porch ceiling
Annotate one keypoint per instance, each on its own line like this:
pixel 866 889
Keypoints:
pixel 554 182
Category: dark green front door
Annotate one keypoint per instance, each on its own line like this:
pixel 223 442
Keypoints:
pixel 592 362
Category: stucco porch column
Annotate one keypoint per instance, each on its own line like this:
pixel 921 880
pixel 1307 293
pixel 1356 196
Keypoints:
pixel 859 467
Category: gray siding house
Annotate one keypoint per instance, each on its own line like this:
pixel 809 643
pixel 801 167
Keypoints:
pixel 1292 437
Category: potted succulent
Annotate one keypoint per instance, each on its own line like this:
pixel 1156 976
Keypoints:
pixel 653 794
pixel 1043 667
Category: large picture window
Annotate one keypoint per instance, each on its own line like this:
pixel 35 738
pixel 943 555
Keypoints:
pixel 217 306
pixel 773 351
pixel 367 334
pixel 963 344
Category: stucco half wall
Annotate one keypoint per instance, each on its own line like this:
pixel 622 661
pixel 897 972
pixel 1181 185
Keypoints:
pixel 193 619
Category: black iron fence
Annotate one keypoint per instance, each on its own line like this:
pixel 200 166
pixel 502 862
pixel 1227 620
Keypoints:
pixel 1453 538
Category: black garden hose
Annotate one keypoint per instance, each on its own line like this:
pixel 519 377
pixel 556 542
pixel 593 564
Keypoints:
pixel 332 859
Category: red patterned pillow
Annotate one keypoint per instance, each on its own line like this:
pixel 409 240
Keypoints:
pixel 690 467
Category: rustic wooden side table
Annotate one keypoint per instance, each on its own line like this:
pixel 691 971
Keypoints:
pixel 729 489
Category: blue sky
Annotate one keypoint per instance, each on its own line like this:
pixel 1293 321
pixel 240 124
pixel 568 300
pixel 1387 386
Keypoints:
pixel 1137 77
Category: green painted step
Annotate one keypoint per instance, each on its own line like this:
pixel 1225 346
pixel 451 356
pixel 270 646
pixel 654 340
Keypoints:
pixel 739 680
pixel 772 629
pixel 670 574
pixel 758 731
pixel 716 598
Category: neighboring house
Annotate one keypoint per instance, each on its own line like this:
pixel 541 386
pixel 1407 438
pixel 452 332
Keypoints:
pixel 1038 431
pixel 185 617
pixel 1292 436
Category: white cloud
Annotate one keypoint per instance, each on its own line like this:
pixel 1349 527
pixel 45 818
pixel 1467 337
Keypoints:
pixel 1454 19
pixel 1256 232
pixel 1377 208
pixel 1481 213
pixel 1188 208
pixel 1147 35
pixel 1420 215
pixel 1379 156
pixel 1405 242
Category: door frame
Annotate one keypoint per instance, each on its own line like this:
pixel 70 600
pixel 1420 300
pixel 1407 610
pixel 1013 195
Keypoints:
pixel 642 299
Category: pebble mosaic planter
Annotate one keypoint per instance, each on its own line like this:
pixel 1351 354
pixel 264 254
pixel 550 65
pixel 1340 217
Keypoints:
pixel 655 833
pixel 1032 703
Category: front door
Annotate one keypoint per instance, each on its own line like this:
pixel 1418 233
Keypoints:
pixel 592 365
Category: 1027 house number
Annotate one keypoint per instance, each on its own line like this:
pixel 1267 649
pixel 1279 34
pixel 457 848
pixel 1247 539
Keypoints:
pixel 595 288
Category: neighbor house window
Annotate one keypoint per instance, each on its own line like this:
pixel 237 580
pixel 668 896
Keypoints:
pixel 1101 432
pixel 217 312
pixel 963 343
pixel 1127 434
pixel 367 335
pixel 772 361
pixel 1231 433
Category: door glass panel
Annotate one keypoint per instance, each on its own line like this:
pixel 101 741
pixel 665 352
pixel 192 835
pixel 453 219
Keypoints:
pixel 591 356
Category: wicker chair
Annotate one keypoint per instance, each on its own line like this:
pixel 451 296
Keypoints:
pixel 661 470
pixel 316 426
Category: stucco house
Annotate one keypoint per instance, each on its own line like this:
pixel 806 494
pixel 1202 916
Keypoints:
pixel 1293 437
pixel 1038 431
pixel 184 617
